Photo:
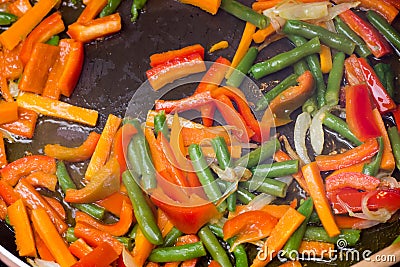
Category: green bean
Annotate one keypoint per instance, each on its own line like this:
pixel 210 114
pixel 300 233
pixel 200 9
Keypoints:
pixel 7 220
pixel 244 13
pixel 54 40
pixel 178 253
pixel 294 241
pixel 7 18
pixel 277 169
pixel 65 182
pixel 315 68
pixel 133 232
pixel 243 68
pixel 340 126
pixel 171 237
pixel 134 159
pixel 334 40
pixel 204 173
pixel 126 241
pixel 361 48
pixel 146 165
pixel 395 142
pixel 397 240
pixel 160 125
pixel 372 168
pixel 274 92
pixel 300 67
pixel 386 76
pixel 70 235
pixel 143 213
pixel 385 28
pixel 244 196
pixel 314 218
pixel 212 245
pixel 335 79
pixel 253 158
pixel 137 5
pixel 269 186
pixel 316 233
pixel 110 8
pixel 310 106
pixel 285 59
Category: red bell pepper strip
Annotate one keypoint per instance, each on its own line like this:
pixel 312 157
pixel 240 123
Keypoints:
pixel 42 179
pixel 355 180
pixel 56 205
pixel 36 70
pixel 80 248
pixel 387 10
pixel 50 26
pixel 374 40
pixel 26 165
pixel 160 58
pixel 103 255
pixel 24 126
pixel 359 115
pixel 92 9
pixel 175 68
pixel 3 155
pixel 95 29
pixel 74 154
pixel 381 97
pixel 121 141
pixel 353 156
pixel 184 104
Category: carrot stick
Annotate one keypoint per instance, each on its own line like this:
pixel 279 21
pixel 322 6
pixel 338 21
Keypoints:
pixel 196 136
pixel 24 126
pixel 42 179
pixel 42 249
pixel 211 6
pixel 102 255
pixel 326 59
pixel 48 233
pixel 92 9
pixel 208 151
pixel 4 90
pixel 23 232
pixel 3 155
pixel 7 193
pixel 155 151
pixel 57 109
pixel 316 187
pixel 278 211
pixel 285 227
pixel 263 5
pixel 19 7
pixel 13 66
pixel 261 34
pixel 159 58
pixel 34 201
pixel 113 203
pixel 120 144
pixel 8 111
pixel 319 249
pixel 244 45
pixel 103 147
pixel 352 168
pixel 347 222
pixel 74 154
pixel 80 248
pixel 22 27
pixel 388 162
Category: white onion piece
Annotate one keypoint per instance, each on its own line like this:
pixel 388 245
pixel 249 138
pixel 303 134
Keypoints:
pixel 317 132
pixel 381 215
pixel 307 11
pixel 285 179
pixel 14 89
pixel 128 259
pixel 365 224
pixel 301 126
pixel 335 10
pixel 390 182
pixel 260 201
pixel 42 263
pixel 330 26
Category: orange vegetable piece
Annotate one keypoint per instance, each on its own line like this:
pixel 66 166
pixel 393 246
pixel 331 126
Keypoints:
pixel 53 240
pixel 214 263
pixel 4 90
pixel 92 9
pixel 160 58
pixel 319 249
pixel 24 126
pixel 3 209
pixel 326 59
pixel 187 239
pixel 261 34
pixel 12 63
pixel 80 248
pixel 347 222
pixel 316 187
pixel 103 255
pixel 291 264
pixel 3 155
pixel 22 27
pixel 276 210
pixel 19 7
pixel 42 179
pixel 74 154
pixel 42 249
pixel 352 168
pixel 120 144
pixel 113 203
pixel 8 111
pixel 387 162
pixel 19 220
pixel 57 206
pixel 7 193
pixel 211 6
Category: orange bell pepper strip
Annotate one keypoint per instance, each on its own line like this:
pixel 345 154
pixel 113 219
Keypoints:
pixel 276 211
pixel 120 144
pixel 316 187
pixel 103 147
pixel 117 229
pixel 388 11
pixel 26 165
pixel 347 222
pixel 57 109
pixel 13 66
pixel 53 240
pixel 160 58
pixel 52 25
pixel 19 220
pixel 36 70
pixel 103 183
pixel 57 206
pixel 92 9
pixel 80 248
pixel 42 249
pixel 74 154
pixel 353 156
pixel 353 72
pixel 352 168
pixel 4 89
pixel 3 155
pixel 8 111
pixel 394 3
pixel 95 237
pixel 154 264
pixel 24 126
pixel 187 103
pixel 196 136
pixel 23 26
pixel 285 227
pixel 387 161
pixel 113 203
pixel 19 7
pixel 95 29
pixel 214 263
pixel 317 248
pixel 249 226
pixel 42 179
pixel 355 180
pixel 34 200
pixel 261 34
pixel 155 150
pixel 211 6
pixel 7 193
pixel 102 255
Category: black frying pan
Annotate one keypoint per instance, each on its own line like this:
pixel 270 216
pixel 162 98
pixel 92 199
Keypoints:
pixel 114 68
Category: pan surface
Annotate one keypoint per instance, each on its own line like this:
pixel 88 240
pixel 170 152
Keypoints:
pixel 115 67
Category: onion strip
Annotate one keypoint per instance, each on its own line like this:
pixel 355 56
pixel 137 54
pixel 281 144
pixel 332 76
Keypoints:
pixel 301 126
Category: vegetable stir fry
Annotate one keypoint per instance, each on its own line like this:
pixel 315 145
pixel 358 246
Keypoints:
pixel 214 190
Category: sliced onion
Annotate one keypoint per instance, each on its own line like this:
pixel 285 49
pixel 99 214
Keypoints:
pixel 365 224
pixel 381 215
pixel 42 263
pixel 330 25
pixel 390 182
pixel 304 11
pixel 14 89
pixel 260 201
pixel 335 10
pixel 285 179
pixel 128 259
pixel 290 150
pixel 303 122
pixel 317 132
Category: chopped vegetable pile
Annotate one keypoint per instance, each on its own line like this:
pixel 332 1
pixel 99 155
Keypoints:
pixel 215 190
